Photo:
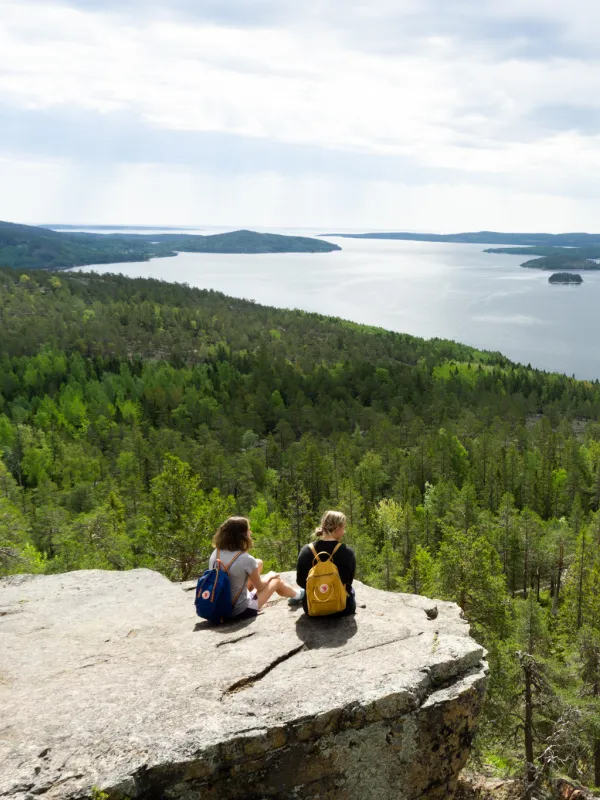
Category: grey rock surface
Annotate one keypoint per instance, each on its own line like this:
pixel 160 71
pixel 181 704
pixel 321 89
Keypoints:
pixel 108 681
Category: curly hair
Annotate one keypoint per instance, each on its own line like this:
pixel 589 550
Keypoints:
pixel 233 534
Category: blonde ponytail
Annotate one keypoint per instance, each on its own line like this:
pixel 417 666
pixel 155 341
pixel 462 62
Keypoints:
pixel 330 521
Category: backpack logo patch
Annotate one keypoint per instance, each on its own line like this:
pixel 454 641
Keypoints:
pixel 323 588
pixel 205 595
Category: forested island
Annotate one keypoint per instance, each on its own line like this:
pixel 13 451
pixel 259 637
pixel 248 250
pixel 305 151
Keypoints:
pixel 31 247
pixel 565 277
pixel 554 257
pixel 486 237
pixel 135 415
pixel 569 260
pixel 556 250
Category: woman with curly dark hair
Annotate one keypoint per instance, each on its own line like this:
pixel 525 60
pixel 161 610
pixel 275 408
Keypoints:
pixel 249 589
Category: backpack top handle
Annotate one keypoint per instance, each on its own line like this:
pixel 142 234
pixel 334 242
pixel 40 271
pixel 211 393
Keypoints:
pixel 324 553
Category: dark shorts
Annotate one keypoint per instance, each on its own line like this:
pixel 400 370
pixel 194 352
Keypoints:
pixel 247 613
pixel 348 611
pixel 350 607
pixel 251 609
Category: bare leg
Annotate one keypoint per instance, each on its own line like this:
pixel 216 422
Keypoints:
pixel 260 569
pixel 276 585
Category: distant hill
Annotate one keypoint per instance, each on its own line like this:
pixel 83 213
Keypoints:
pixel 31 247
pixel 557 250
pixel 485 237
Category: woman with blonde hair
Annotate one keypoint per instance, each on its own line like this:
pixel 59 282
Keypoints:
pixel 249 589
pixel 329 535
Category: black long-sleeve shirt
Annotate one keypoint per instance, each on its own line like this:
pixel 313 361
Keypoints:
pixel 344 559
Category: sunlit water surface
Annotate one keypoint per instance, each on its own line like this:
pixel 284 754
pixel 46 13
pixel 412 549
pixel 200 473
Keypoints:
pixel 454 291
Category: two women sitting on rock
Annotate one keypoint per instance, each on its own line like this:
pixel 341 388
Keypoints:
pixel 325 571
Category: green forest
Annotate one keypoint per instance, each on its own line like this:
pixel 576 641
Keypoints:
pixel 565 277
pixel 32 247
pixel 550 257
pixel 135 415
pixel 560 262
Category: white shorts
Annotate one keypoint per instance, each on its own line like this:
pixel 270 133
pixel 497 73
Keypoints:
pixel 253 600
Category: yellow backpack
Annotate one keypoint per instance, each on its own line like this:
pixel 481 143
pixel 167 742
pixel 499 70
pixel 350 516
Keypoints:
pixel 325 592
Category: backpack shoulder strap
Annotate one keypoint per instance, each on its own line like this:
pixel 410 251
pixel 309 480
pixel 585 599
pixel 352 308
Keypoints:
pixel 315 554
pixel 237 555
pixel 235 599
pixel 243 586
pixel 334 551
pixel 216 566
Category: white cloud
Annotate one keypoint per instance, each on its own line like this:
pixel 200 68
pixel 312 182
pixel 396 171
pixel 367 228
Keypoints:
pixel 254 83
pixel 433 82
pixel 151 194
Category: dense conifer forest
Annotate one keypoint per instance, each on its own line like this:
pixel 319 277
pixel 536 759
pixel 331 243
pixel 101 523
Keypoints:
pixel 135 415
pixel 565 277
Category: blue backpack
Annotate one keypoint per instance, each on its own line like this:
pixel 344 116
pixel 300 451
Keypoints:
pixel 213 592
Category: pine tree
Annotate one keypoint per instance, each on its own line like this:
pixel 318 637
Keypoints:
pixel 470 574
pixel 535 689
pixel 589 654
pixel 183 519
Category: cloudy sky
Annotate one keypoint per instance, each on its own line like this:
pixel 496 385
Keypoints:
pixel 437 115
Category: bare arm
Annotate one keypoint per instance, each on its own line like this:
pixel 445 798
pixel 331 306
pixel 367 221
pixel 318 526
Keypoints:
pixel 259 582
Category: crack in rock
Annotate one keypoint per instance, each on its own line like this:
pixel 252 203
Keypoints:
pixel 382 644
pixel 237 639
pixel 94 663
pixel 45 788
pixel 4 612
pixel 251 679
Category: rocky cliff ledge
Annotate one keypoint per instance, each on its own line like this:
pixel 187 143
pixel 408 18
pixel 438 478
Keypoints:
pixel 108 681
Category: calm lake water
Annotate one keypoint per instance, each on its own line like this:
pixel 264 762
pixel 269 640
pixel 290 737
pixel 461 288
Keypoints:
pixel 454 291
